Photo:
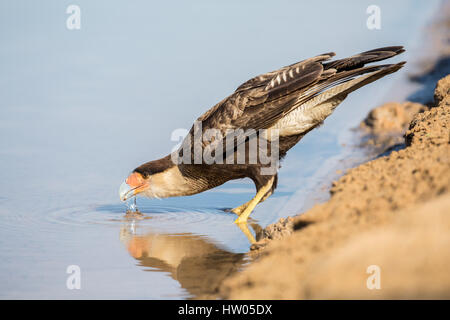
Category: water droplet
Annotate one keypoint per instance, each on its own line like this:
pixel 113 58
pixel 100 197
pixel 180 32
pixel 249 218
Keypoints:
pixel 131 204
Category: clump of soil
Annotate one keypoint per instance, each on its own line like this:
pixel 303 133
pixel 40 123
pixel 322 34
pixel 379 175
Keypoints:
pixel 276 231
pixel 392 213
pixel 384 127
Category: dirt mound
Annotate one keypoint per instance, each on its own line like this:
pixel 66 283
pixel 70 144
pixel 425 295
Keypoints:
pixel 392 117
pixel 392 213
pixel 384 126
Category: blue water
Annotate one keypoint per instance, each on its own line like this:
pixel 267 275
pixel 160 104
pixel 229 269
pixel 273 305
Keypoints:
pixel 80 109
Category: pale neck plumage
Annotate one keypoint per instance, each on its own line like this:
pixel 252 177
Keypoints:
pixel 171 183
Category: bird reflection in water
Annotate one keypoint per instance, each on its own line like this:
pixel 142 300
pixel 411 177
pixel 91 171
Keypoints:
pixel 199 265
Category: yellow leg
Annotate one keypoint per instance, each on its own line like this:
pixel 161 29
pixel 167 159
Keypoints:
pixel 246 232
pixel 252 204
pixel 238 210
pixel 268 194
pixel 241 208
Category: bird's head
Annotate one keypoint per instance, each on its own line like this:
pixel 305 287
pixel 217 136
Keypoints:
pixel 133 185
pixel 153 179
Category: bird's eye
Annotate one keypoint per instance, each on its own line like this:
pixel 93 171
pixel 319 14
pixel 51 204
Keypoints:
pixel 143 174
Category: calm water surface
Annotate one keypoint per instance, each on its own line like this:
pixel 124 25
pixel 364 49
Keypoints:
pixel 80 109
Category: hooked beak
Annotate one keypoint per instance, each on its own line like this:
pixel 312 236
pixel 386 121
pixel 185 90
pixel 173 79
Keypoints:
pixel 132 186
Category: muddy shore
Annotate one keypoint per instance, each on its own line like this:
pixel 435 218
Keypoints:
pixel 392 213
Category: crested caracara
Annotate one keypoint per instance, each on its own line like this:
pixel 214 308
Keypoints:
pixel 273 109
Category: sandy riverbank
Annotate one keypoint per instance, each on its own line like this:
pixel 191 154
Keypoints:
pixel 392 212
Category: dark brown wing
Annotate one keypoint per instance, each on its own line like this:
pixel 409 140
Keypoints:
pixel 264 79
pixel 263 100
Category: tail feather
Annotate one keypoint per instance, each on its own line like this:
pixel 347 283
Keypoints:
pixel 356 78
pixel 359 60
pixel 311 109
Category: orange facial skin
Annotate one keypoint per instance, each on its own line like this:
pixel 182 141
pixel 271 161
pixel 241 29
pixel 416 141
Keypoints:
pixel 133 185
pixel 137 182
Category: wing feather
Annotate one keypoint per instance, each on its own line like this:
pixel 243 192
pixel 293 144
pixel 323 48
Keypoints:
pixel 263 100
